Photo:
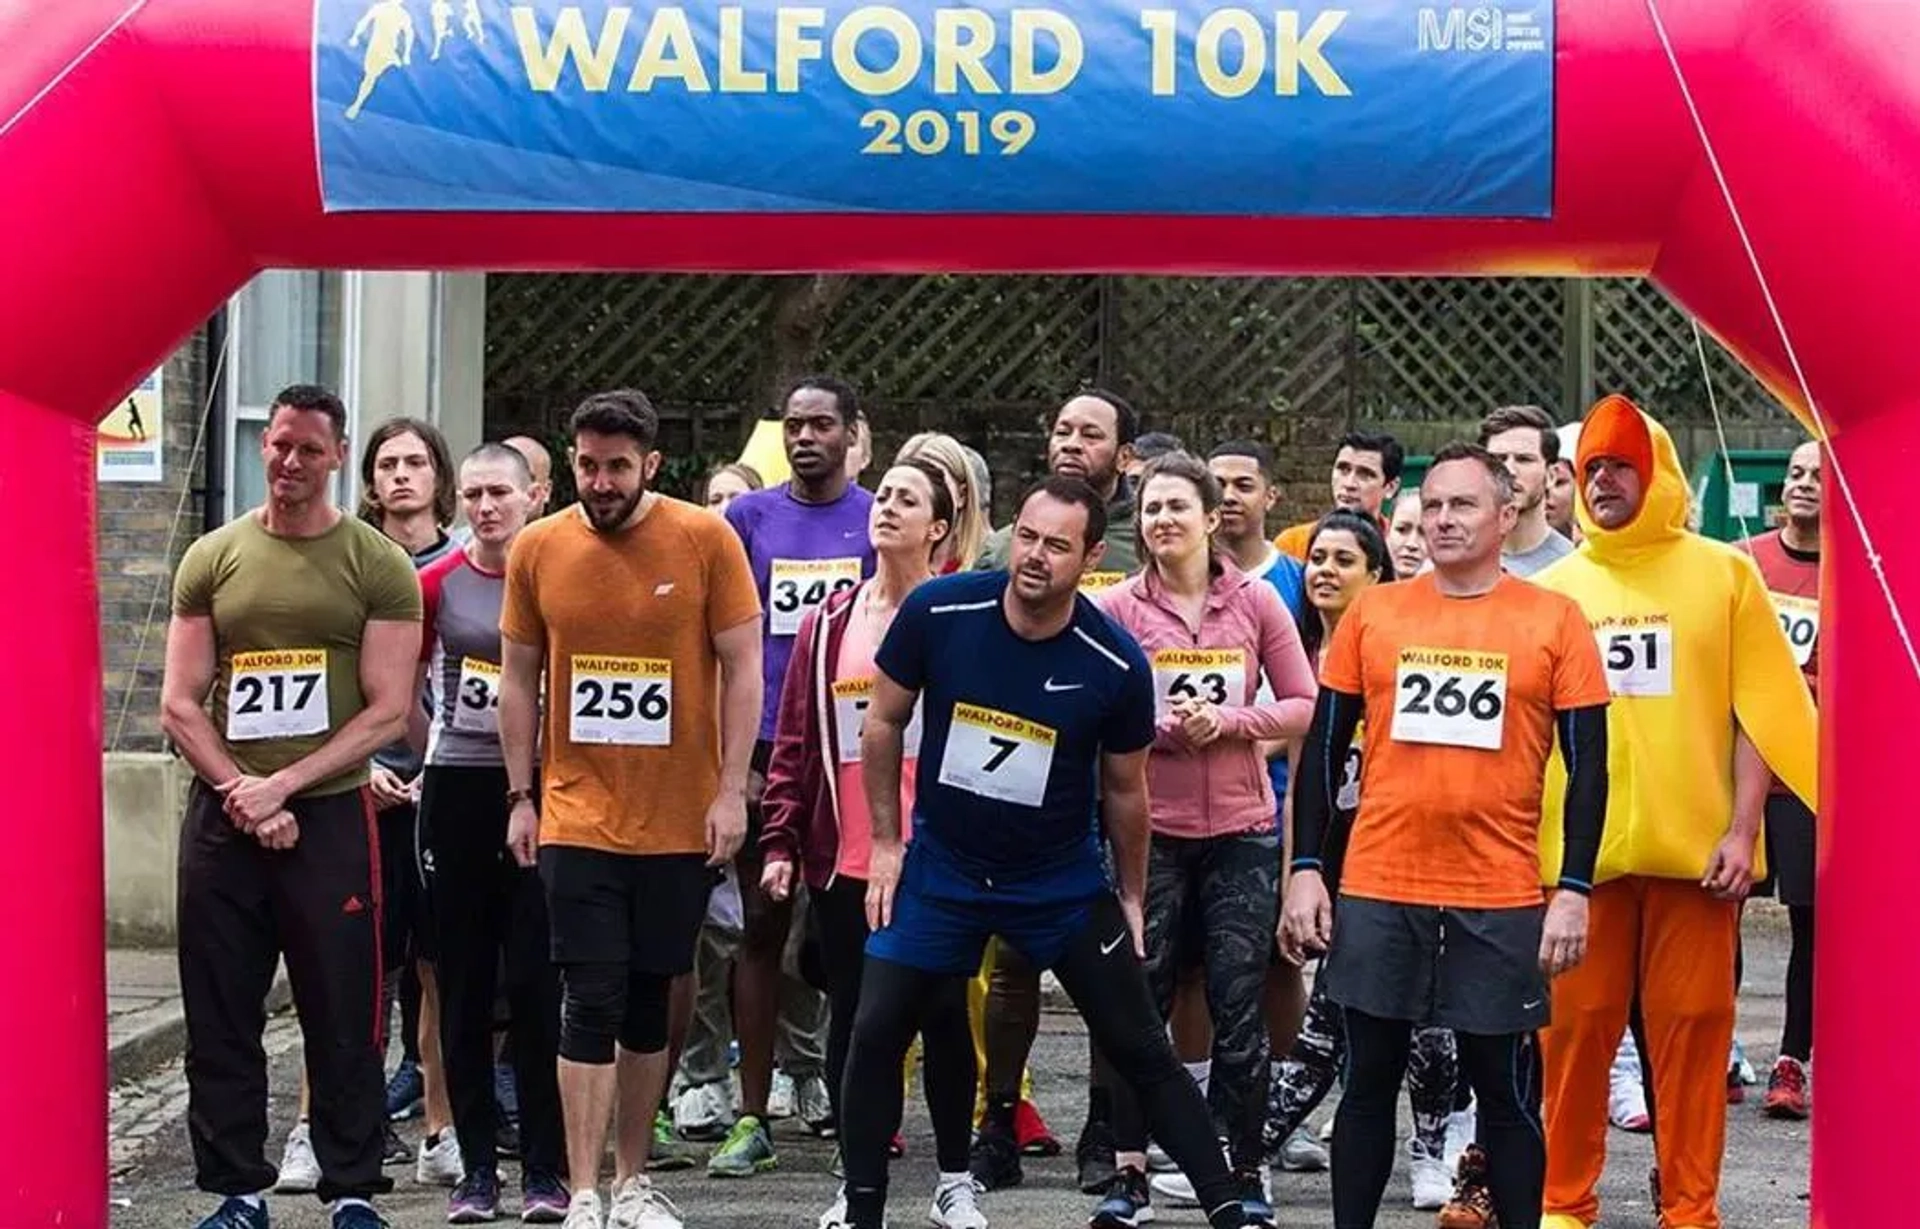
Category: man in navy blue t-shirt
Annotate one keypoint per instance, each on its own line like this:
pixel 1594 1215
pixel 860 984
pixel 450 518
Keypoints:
pixel 1037 709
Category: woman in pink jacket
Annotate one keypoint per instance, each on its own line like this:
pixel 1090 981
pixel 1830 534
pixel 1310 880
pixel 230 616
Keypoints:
pixel 818 828
pixel 1213 869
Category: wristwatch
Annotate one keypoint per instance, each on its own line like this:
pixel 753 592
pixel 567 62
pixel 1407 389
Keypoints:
pixel 517 796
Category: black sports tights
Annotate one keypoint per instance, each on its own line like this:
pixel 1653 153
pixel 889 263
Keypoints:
pixel 1504 1071
pixel 1110 991
pixel 1796 1038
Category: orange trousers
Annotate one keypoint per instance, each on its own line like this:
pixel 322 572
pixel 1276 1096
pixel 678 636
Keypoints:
pixel 1671 945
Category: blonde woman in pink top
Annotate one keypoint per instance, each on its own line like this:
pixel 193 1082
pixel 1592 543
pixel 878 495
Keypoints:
pixel 1213 869
pixel 818 829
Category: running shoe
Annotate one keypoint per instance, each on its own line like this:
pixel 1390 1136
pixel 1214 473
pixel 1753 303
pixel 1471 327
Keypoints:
pixel 1256 1200
pixel 395 1151
pixel 583 1212
pixel 897 1146
pixel 1093 1156
pixel 1158 1162
pixel 668 1152
pixel 704 1111
pixel 780 1097
pixel 236 1213
pixel 1174 1189
pixel 748 1150
pixel 813 1106
pixel 357 1215
pixel 955 1206
pixel 1786 1090
pixel 1431 1185
pixel 994 1159
pixel 544 1199
pixel 638 1205
pixel 1031 1132
pixel 476 1200
pixel 299 1168
pixel 406 1092
pixel 439 1163
pixel 1127 1202
pixel 1472 1204
pixel 835 1217
pixel 1303 1153
pixel 1462 1126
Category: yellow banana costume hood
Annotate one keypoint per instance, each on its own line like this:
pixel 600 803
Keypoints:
pixel 1691 644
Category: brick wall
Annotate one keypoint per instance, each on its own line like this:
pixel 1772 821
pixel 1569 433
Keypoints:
pixel 143 530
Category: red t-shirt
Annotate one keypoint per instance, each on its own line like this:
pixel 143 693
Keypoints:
pixel 1793 582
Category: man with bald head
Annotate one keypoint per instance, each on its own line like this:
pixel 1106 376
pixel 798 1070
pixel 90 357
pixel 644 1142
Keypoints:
pixel 541 463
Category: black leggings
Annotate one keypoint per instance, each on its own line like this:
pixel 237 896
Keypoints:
pixel 1504 1071
pixel 1110 991
pixel 839 916
pixel 490 915
pixel 1796 1037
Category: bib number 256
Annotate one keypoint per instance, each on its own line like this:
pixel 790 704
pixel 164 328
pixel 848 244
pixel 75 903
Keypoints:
pixel 626 701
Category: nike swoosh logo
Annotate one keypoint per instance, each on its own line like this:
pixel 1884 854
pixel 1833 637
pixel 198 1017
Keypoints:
pixel 1050 685
pixel 1106 949
pixel 1532 1005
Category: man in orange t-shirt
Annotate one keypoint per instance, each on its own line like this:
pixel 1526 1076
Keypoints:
pixel 642 613
pixel 1366 477
pixel 1463 676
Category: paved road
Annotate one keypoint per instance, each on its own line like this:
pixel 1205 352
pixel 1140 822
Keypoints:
pixel 1765 1186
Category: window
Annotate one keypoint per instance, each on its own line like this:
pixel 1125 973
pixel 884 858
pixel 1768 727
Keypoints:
pixel 287 326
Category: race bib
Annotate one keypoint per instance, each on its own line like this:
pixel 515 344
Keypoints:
pixel 277 693
pixel 997 755
pixel 798 585
pixel 1095 583
pixel 1450 698
pixel 1214 676
pixel 850 700
pixel 626 701
pixel 476 703
pixel 1800 620
pixel 1637 652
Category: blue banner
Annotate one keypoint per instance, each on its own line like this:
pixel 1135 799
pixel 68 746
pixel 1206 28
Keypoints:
pixel 1383 108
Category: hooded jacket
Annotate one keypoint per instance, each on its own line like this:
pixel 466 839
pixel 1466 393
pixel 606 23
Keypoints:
pixel 1221 789
pixel 1692 646
pixel 801 805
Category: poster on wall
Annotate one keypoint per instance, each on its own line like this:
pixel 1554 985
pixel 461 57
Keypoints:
pixel 128 444
pixel 1391 108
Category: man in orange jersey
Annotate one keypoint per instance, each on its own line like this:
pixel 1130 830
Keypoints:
pixel 641 612
pixel 1464 675
pixel 1706 696
pixel 1366 477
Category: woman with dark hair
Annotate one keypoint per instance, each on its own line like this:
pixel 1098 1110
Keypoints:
pixel 1212 632
pixel 818 828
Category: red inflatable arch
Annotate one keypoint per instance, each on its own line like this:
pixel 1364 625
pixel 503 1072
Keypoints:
pixel 155 154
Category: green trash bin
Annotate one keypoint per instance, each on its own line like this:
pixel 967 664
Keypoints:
pixel 1752 503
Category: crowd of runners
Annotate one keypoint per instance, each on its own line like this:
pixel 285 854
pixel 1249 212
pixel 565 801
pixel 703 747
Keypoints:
pixel 664 823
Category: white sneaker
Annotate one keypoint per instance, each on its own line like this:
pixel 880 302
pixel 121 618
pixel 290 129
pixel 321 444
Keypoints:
pixel 1175 1188
pixel 299 1168
pixel 1432 1183
pixel 583 1212
pixel 780 1096
pixel 835 1217
pixel 813 1106
pixel 955 1207
pixel 1462 1126
pixel 637 1205
pixel 1158 1162
pixel 1301 1153
pixel 440 1163
pixel 704 1111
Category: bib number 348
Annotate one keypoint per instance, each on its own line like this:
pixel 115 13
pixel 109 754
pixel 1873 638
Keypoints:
pixel 623 701
pixel 1451 698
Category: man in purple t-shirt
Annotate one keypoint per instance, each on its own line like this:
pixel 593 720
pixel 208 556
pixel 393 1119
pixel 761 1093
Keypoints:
pixel 805 538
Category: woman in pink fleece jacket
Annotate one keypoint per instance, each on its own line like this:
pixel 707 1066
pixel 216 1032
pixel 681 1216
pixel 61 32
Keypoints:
pixel 1213 871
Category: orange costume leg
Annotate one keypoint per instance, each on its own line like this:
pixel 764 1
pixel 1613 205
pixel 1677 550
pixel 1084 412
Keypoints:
pixel 1688 940
pixel 1590 1005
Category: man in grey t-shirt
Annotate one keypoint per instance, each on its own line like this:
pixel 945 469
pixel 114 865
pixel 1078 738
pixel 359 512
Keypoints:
pixel 1522 436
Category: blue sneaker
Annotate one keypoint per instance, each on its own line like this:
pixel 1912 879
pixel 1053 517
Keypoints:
pixel 1128 1203
pixel 358 1216
pixel 544 1198
pixel 1255 1205
pixel 406 1092
pixel 237 1213
pixel 476 1200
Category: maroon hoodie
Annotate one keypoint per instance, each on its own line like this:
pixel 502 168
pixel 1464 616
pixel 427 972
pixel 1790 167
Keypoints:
pixel 801 805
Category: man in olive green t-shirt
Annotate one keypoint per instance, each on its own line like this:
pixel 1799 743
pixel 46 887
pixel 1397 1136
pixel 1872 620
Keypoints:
pixel 290 659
